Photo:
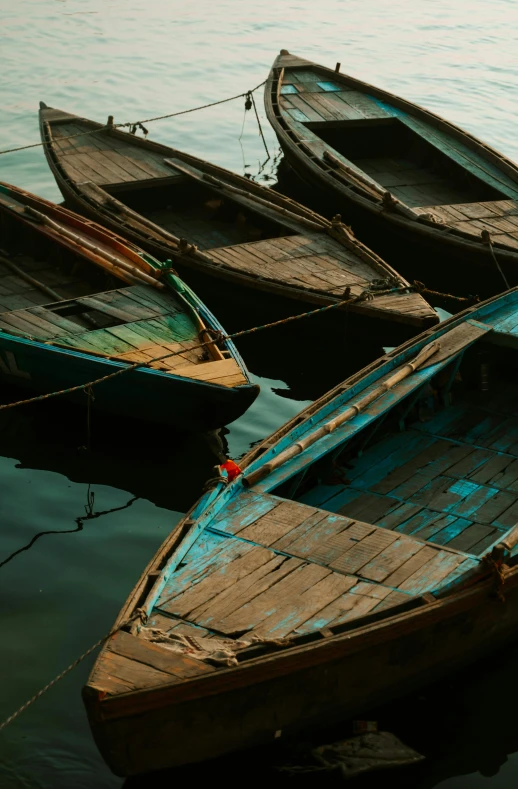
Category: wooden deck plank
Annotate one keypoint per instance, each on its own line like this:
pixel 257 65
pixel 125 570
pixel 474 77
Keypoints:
pixel 331 538
pixel 209 552
pixel 19 324
pixel 308 527
pixel 301 607
pixel 251 614
pixel 275 524
pixel 102 340
pixel 115 673
pixel 432 573
pixel 363 552
pixel 247 509
pixel 122 300
pixel 356 602
pixel 409 567
pixel 244 590
pixel 117 163
pixel 100 305
pixel 231 568
pixel 155 656
pixel 305 105
pixel 392 557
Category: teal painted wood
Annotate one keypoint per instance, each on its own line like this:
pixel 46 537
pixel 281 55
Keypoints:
pixel 440 507
pixel 184 403
pixel 487 314
pixel 166 316
pixel 455 150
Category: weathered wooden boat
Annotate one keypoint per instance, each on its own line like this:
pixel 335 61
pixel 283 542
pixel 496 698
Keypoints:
pixel 210 220
pixel 78 302
pixel 367 546
pixel 395 163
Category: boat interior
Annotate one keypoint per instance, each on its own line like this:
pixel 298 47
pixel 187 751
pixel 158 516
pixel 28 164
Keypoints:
pixel 142 180
pixel 442 466
pixel 51 294
pixel 189 209
pixel 419 161
pixel 56 268
pixel 404 162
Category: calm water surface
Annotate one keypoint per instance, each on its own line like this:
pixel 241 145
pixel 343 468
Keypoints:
pixel 76 525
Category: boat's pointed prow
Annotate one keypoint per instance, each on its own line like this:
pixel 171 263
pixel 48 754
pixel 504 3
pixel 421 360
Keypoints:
pixel 286 59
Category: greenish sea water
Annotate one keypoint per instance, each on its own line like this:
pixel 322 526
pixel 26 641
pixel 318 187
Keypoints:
pixel 77 526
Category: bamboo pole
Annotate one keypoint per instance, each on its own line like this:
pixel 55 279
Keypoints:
pixel 106 257
pixel 353 410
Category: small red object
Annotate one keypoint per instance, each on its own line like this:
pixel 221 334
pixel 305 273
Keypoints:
pixel 232 469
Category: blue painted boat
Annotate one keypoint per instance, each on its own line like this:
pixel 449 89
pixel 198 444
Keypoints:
pixel 398 167
pixel 366 547
pixel 77 303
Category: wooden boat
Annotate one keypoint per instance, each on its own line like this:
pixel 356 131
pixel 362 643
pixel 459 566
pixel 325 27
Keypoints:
pixel 209 220
pixel 397 164
pixel 367 546
pixel 78 302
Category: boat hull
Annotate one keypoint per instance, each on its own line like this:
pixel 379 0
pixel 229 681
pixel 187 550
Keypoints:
pixel 363 206
pixel 193 268
pixel 183 403
pixel 282 694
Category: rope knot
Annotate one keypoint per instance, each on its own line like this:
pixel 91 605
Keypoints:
pixel 184 248
pixel 138 125
pixel 388 201
pixel 218 479
pixel 495 564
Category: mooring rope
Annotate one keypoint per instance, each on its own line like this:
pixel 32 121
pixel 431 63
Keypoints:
pixel 139 614
pixel 420 287
pixel 486 238
pixel 138 124
pixel 219 337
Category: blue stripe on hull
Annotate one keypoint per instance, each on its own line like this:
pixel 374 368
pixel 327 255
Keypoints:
pixel 150 394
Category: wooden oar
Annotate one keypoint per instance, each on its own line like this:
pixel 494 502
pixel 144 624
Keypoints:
pixel 350 412
pixel 54 295
pixel 116 205
pixel 31 280
pixel 112 263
